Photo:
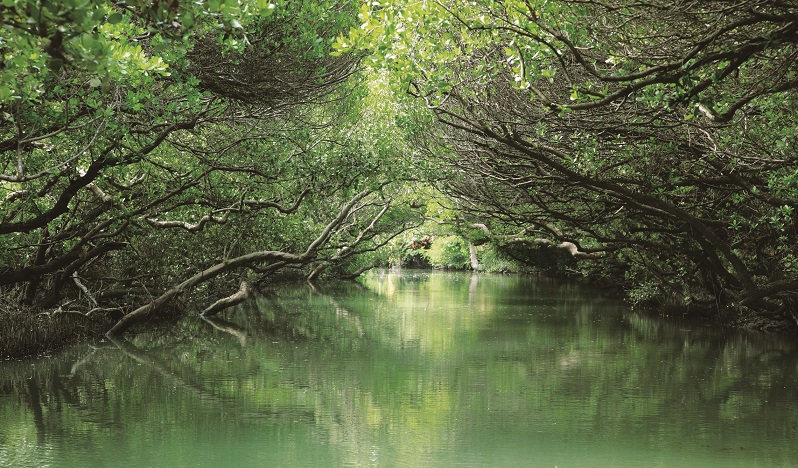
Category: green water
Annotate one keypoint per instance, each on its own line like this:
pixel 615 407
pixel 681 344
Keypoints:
pixel 411 369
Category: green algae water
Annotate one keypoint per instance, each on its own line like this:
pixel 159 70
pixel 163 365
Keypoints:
pixel 411 368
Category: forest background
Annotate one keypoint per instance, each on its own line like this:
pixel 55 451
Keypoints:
pixel 159 157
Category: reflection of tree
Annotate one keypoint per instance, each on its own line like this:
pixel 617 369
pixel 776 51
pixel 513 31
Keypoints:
pixel 340 311
pixel 47 390
pixel 751 364
pixel 177 378
pixel 227 327
pixel 153 362
pixel 30 396
pixel 525 358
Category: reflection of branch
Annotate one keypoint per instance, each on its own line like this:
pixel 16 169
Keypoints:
pixel 141 356
pixel 33 398
pixel 343 312
pixel 340 311
pixel 227 327
pixel 78 364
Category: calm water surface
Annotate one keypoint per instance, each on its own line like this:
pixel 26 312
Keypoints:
pixel 411 369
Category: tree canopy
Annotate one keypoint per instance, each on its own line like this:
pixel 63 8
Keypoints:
pixel 144 144
pixel 656 138
pixel 152 149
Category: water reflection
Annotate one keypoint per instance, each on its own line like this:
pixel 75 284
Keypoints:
pixel 414 369
pixel 227 327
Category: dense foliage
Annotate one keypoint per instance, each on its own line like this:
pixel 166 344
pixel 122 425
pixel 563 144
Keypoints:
pixel 144 145
pixel 152 149
pixel 653 142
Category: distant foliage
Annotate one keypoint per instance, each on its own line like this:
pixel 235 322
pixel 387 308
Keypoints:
pixel 449 252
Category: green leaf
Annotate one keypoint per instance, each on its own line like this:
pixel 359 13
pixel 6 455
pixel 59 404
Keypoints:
pixel 115 18
pixel 95 82
pixel 5 93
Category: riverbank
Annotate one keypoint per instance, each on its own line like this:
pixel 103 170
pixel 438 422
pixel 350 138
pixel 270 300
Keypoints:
pixel 27 332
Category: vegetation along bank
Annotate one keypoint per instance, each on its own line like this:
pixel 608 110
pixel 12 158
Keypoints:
pixel 161 156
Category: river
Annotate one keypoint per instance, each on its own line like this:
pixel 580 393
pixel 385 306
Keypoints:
pixel 411 368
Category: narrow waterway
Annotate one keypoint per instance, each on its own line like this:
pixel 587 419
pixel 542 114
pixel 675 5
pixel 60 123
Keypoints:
pixel 411 368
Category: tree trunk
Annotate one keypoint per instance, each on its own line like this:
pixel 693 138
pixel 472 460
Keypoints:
pixel 242 295
pixel 472 250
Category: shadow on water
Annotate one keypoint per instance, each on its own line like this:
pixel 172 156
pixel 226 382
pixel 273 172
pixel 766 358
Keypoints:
pixel 419 367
